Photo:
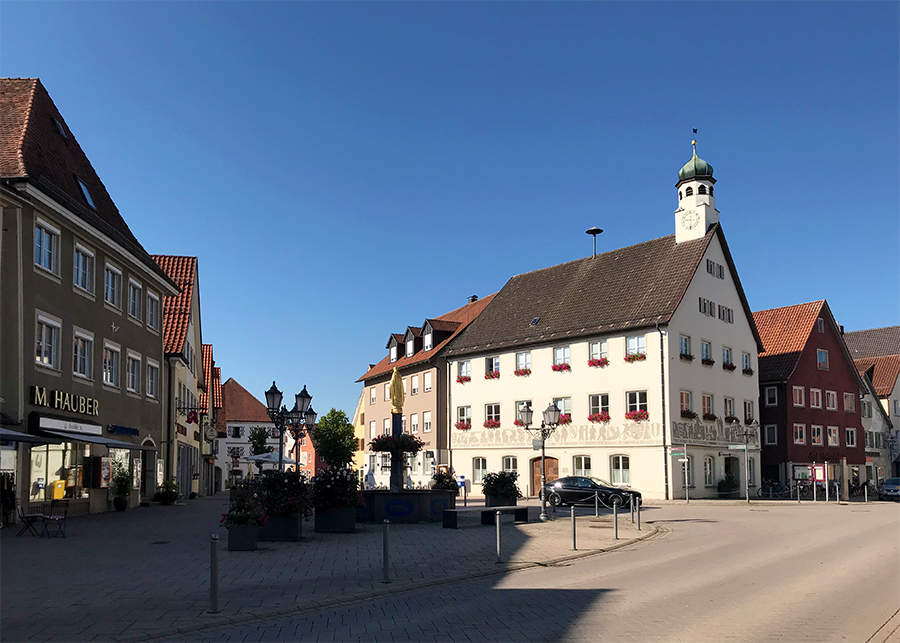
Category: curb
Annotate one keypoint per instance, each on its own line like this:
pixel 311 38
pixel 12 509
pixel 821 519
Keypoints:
pixel 245 618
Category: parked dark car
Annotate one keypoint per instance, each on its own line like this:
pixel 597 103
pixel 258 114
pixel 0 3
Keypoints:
pixel 890 490
pixel 580 490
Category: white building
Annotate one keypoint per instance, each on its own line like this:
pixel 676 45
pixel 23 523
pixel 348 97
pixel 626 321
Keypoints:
pixel 661 328
pixel 241 413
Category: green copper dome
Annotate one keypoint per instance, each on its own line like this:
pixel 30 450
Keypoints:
pixel 695 168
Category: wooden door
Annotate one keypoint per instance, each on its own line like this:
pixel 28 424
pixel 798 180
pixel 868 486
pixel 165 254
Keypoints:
pixel 552 472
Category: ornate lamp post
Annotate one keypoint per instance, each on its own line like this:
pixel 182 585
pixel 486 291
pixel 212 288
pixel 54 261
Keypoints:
pixel 297 420
pixel 548 426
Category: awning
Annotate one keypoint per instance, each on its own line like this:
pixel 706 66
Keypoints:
pixel 96 439
pixel 16 436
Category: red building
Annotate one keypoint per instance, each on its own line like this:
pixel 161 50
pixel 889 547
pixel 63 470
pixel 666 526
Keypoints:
pixel 809 393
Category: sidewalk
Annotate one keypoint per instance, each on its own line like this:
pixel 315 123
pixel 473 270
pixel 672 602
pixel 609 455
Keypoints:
pixel 145 573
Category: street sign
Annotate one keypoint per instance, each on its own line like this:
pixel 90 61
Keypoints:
pixel 682 459
pixel 536 445
pixel 677 451
pixel 737 446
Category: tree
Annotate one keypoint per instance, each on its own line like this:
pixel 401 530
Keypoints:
pixel 335 439
pixel 258 444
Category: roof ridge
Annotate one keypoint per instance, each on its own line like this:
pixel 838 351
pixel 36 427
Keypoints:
pixel 817 301
pixel 20 157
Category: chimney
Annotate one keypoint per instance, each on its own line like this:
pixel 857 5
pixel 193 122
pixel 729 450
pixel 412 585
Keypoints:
pixel 472 298
pixel 842 330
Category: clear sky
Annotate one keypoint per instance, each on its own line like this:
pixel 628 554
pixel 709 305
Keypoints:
pixel 345 170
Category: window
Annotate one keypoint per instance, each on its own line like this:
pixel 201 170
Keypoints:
pixel 822 359
pixel 896 407
pixel 849 402
pixel 414 423
pixel 687 471
pixel 799 394
pixel 745 361
pixel 820 324
pixel 86 193
pixel 636 401
pixel 523 361
pixel 729 407
pixel 748 411
pixel 111 365
pixel 83 361
pixel 598 403
pixel 709 471
pixel 134 299
pixel 687 401
pixel 152 311
pixel 403 428
pixel 708 406
pixel 560 355
pixel 597 350
pixel 510 463
pixel 620 471
pixel 519 406
pixel 771 396
pixel 581 465
pixel 479 468
pixel 771 434
pixel 726 355
pixel 237 432
pixel 726 314
pixel 850 437
pixel 372 429
pixel 688 191
pixel 464 414
pixel 429 341
pixel 46 246
pixel 372 395
pixel 706 351
pixel 833 440
pixel 47 342
pixel 492 365
pixel 815 398
pixel 386 426
pixel 426 422
pixel 427 380
pixel 387 392
pixel 112 286
pixel 152 379
pixel 715 269
pixel 684 344
pixel 707 307
pixel 394 353
pixel 464 369
pixel 133 373
pixel 865 409
pixel 414 384
pixel 799 434
pixel 84 268
pixel 410 346
pixel 492 414
pixel 635 345
pixel 815 435
pixel 701 189
pixel 403 381
pixel 751 472
pixel 831 400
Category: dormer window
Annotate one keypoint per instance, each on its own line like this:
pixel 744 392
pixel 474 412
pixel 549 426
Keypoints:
pixel 701 189
pixel 689 191
pixel 59 128
pixel 429 341
pixel 394 353
pixel 86 193
pixel 410 347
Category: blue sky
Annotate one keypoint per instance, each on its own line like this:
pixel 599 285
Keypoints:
pixel 344 170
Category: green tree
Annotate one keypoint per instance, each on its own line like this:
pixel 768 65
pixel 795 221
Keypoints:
pixel 258 445
pixel 334 439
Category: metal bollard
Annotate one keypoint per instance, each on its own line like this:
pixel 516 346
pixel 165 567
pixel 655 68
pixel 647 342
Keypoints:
pixel 639 516
pixel 616 519
pixel 631 503
pixel 574 546
pixel 798 492
pixel 596 505
pixel 499 539
pixel 213 574
pixel 387 551
pixel 866 490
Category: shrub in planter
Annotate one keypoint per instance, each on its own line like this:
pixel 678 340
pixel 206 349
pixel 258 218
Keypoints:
pixel 710 417
pixel 561 368
pixel 728 366
pixel 285 498
pixel 444 480
pixel 688 414
pixel 602 416
pixel 463 426
pixel 492 375
pixel 492 424
pixel 730 419
pixel 522 372
pixel 167 493
pixel 565 418
pixel 636 357
pixel 598 363
pixel 708 362
pixel 728 484
pixel 500 488
pixel 121 485
pixel 637 416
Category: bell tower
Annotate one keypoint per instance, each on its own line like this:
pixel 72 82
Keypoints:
pixel 696 199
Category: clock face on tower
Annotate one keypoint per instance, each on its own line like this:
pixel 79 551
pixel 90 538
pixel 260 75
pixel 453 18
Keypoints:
pixel 690 219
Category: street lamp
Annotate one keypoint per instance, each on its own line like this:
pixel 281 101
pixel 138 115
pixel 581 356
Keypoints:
pixel 298 419
pixel 548 426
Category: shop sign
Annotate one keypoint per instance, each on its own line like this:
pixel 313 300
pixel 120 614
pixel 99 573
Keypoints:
pixel 63 401
pixel 68 425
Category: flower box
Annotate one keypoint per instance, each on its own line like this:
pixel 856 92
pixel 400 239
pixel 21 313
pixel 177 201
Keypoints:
pixel 635 357
pixel 603 416
pixel 561 367
pixel 335 520
pixel 492 375
pixel 598 363
pixel 687 357
pixel 518 423
pixel 492 424
pixel 522 372
pixel 637 416
pixel 728 366
pixel 730 419
pixel 688 414
pixel 708 362
pixel 565 418
pixel 281 529
pixel 710 417
pixel 747 371
pixel 748 421
pixel 242 537
pixel 463 426
pixel 462 379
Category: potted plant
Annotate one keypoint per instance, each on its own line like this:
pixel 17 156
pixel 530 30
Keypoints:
pixel 599 362
pixel 602 416
pixel 728 486
pixel 444 480
pixel 167 493
pixel 336 493
pixel 500 489
pixel 561 368
pixel 728 366
pixel 244 518
pixel 285 499
pixel 522 372
pixel 121 485
pixel 637 416
pixel 635 357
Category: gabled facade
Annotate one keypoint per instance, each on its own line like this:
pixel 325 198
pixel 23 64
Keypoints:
pixel 81 348
pixel 809 394
pixel 603 338
pixel 241 413
pixel 877 428
pixel 210 405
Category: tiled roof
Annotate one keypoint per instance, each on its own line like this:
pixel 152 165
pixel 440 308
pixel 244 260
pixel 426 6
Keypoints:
pixel 633 287
pixel 885 370
pixel 459 318
pixel 33 151
pixel 239 405
pixel 784 332
pixel 397 337
pixel 873 342
pixel 177 308
pixel 205 386
pixel 442 325
pixel 217 387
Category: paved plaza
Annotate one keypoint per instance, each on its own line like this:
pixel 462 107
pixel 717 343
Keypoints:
pixel 702 572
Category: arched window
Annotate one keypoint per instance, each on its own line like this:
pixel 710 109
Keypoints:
pixel 710 190
pixel 679 195
pixel 510 463
pixel 688 191
pixel 479 468
pixel 620 469
pixel 701 189
pixel 709 471
pixel 581 465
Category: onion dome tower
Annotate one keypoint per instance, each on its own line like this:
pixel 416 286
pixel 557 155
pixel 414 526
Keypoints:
pixel 696 199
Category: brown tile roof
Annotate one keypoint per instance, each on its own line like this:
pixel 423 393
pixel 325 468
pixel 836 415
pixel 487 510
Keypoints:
pixel 873 342
pixel 784 333
pixel 206 385
pixel 239 405
pixel 442 325
pixel 217 387
pixel 397 337
pixel 883 369
pixel 177 308
pixel 459 318
pixel 33 151
pixel 633 287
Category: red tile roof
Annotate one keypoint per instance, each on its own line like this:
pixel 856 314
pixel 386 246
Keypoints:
pixel 239 405
pixel 206 385
pixel 459 319
pixel 177 308
pixel 884 372
pixel 33 151
pixel 873 342
pixel 784 332
pixel 217 387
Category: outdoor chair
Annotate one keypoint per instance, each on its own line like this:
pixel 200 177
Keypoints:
pixel 56 519
pixel 28 521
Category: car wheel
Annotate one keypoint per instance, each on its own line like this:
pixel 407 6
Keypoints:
pixel 554 499
pixel 616 500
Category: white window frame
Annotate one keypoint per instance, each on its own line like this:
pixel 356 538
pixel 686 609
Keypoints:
pixel 373 395
pixel 386 426
pixel 831 400
pixel 387 392
pixel 848 433
pixel 117 273
pixel 55 324
pixel 728 407
pixel 413 422
pixel 578 465
pixel 705 349
pixel 411 347
pixel 598 403
pixel 620 475
pixel 86 338
pixel 86 274
pixel 597 350
pixel 771 396
pixel 748 406
pixel 464 369
pixel 820 324
pixel 428 342
pixel 815 398
pixel 635 344
pixel 135 284
pixel 798 396
pixel 492 411
pixel 817 435
pixel 851 407
pixel 152 384
pixel 414 384
pixel 523 360
pixel 822 364
pixel 464 414
pixel 117 349
pixel 770 434
pixel 153 319
pixel 394 353
pixel 479 468
pixel 684 345
pixel 510 463
pixel 709 471
pixel 708 403
pixel 636 405
pixel 799 433
pixel 426 422
pixel 686 400
pixel 561 355
pixel 132 356
pixel 746 363
pixel 426 382
pixel 55 235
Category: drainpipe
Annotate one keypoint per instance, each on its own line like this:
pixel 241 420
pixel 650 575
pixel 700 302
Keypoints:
pixel 448 409
pixel 662 382
pixel 170 429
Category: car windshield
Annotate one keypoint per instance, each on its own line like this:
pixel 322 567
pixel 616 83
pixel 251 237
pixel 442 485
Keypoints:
pixel 602 483
pixel 893 481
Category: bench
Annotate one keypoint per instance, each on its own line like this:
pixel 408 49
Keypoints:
pixel 520 514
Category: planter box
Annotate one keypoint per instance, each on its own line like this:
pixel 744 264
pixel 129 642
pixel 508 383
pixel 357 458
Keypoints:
pixel 729 495
pixel 337 520
pixel 120 503
pixel 500 501
pixel 281 529
pixel 242 537
pixel 408 506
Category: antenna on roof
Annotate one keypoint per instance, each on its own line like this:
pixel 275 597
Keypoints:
pixel 594 232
